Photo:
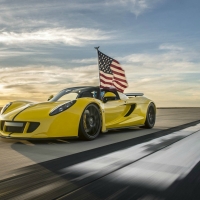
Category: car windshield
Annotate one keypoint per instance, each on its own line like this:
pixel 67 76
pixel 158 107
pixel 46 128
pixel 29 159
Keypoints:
pixel 70 96
pixel 65 95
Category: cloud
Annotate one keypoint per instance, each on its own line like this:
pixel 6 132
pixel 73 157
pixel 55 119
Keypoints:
pixel 170 78
pixel 38 82
pixel 85 61
pixel 170 47
pixel 175 60
pixel 71 37
pixel 168 89
pixel 135 6
pixel 8 54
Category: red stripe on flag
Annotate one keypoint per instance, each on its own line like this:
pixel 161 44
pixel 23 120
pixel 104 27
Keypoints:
pixel 116 61
pixel 117 67
pixel 108 86
pixel 121 80
pixel 121 84
pixel 106 77
pixel 119 89
pixel 114 72
pixel 106 82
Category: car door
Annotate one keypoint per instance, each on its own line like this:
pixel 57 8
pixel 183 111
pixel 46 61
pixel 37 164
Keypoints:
pixel 114 111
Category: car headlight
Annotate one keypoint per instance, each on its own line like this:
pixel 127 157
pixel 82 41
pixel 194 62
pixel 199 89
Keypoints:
pixel 62 108
pixel 5 108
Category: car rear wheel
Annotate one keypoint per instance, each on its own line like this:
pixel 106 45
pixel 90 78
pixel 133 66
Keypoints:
pixel 151 116
pixel 90 123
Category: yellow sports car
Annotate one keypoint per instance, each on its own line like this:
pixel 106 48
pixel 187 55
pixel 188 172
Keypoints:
pixel 76 112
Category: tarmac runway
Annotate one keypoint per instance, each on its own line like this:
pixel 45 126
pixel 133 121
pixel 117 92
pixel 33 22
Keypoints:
pixel 131 163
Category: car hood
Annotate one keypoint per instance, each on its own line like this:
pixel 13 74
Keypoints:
pixel 32 111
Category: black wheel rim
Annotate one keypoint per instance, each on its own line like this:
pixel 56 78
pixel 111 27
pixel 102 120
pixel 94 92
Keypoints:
pixel 91 120
pixel 151 115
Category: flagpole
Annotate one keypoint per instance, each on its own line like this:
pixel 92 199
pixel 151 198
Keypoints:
pixel 97 48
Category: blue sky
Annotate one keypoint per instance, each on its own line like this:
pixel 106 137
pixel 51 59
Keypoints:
pixel 48 45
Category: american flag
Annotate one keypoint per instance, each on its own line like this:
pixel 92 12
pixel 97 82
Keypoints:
pixel 111 74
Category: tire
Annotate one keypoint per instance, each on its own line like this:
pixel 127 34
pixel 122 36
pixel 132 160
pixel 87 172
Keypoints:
pixel 90 123
pixel 151 116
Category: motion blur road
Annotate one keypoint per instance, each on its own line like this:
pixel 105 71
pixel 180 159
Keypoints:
pixel 136 163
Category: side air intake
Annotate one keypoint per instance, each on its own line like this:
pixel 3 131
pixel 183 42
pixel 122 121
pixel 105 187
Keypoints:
pixel 130 110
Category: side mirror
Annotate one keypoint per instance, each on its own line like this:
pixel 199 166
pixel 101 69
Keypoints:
pixel 109 96
pixel 50 97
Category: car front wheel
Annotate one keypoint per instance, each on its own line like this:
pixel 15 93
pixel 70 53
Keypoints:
pixel 90 123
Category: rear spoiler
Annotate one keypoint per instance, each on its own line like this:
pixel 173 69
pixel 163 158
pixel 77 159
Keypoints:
pixel 134 94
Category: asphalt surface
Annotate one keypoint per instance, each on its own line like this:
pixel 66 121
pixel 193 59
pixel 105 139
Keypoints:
pixel 161 163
